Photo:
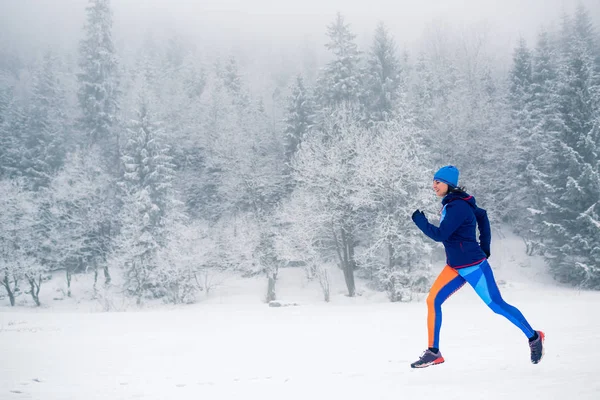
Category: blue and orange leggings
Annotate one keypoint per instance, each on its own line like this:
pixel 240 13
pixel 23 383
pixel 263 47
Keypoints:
pixel 482 279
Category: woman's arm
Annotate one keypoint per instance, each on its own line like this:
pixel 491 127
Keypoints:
pixel 455 215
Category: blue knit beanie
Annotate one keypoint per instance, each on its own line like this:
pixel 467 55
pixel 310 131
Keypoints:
pixel 448 175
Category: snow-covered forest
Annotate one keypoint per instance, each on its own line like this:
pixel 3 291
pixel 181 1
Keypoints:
pixel 153 167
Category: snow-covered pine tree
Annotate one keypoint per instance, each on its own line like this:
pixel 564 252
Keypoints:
pixel 98 80
pixel 47 126
pixel 340 80
pixel 148 198
pixel 230 77
pixel 98 96
pixel 520 100
pixel 546 122
pixel 422 104
pixel 572 207
pixel 13 136
pixel 300 117
pixel 384 94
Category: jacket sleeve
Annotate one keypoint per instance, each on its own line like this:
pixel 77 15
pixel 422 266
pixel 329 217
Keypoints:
pixel 485 235
pixel 455 216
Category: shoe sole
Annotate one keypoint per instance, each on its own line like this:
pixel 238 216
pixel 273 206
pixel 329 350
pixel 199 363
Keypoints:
pixel 543 335
pixel 429 364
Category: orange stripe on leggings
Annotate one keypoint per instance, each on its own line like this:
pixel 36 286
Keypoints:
pixel 447 274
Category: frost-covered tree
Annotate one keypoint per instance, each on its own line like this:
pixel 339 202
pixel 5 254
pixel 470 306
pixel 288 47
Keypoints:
pixel 19 263
pixel 191 261
pixel 393 181
pixel 98 79
pixel 303 237
pixel 250 159
pixel 268 259
pixel 357 188
pixel 80 217
pixel 327 166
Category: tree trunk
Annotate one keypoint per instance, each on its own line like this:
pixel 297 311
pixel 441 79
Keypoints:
pixel 323 277
pixel 271 295
pixel 349 263
pixel 107 278
pixel 350 284
pixel 11 293
pixel 391 286
pixel 35 289
pixel 69 275
pixel 345 251
pixel 95 279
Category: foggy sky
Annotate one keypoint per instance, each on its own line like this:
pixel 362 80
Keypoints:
pixel 227 24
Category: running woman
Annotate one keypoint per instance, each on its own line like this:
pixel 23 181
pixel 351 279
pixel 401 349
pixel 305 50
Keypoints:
pixel 467 262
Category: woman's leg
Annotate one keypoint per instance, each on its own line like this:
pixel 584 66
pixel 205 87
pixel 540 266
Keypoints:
pixel 482 279
pixel 448 282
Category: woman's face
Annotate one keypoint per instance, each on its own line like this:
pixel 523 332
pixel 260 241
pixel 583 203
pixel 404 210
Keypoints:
pixel 440 188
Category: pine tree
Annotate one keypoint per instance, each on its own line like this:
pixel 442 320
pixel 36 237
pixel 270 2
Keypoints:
pixel 13 136
pixel 572 207
pixel 538 160
pixel 520 101
pixel 47 126
pixel 521 78
pixel 231 76
pixel 98 79
pixel 422 93
pixel 340 81
pixel 383 80
pixel 98 98
pixel 147 183
pixel 300 117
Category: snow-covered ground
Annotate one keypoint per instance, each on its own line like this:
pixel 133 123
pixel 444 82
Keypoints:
pixel 232 346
